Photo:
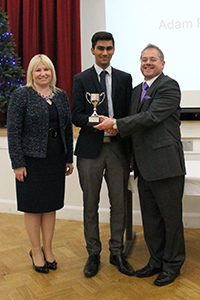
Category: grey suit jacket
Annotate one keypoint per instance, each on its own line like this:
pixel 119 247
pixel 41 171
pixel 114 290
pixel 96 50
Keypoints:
pixel 155 129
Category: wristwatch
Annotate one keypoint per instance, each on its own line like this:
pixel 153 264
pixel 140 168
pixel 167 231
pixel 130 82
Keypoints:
pixel 114 124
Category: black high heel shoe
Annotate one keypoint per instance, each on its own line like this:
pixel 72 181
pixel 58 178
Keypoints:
pixel 43 269
pixel 50 265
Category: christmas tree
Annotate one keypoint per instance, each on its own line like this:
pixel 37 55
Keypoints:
pixel 11 72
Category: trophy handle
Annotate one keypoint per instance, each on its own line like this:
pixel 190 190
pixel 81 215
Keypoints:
pixel 86 96
pixel 103 97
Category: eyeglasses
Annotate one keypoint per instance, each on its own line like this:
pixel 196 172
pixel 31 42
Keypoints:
pixel 152 59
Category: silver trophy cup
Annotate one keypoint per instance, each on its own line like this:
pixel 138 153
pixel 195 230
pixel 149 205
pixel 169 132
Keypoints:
pixel 95 100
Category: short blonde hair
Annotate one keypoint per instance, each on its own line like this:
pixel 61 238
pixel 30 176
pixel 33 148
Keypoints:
pixel 34 62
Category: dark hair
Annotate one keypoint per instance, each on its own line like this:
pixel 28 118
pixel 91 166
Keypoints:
pixel 102 35
pixel 155 47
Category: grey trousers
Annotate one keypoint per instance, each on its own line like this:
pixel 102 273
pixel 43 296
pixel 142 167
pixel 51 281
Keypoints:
pixel 161 206
pixel 111 165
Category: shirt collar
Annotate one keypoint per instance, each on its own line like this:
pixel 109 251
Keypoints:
pixel 150 82
pixel 99 69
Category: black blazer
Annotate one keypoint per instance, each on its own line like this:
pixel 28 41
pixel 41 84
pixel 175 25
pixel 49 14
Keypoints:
pixel 90 140
pixel 155 128
pixel 28 124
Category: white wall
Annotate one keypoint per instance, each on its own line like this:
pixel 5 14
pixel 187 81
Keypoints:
pixel 92 20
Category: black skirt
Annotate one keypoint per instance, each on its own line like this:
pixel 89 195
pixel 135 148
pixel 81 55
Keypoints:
pixel 44 187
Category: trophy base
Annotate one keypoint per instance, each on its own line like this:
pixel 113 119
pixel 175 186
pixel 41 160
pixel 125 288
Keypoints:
pixel 93 120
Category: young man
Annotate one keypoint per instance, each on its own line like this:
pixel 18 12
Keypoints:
pixel 158 163
pixel 100 155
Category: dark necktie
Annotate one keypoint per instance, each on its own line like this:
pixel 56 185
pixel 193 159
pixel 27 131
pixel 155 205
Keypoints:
pixel 145 88
pixel 103 85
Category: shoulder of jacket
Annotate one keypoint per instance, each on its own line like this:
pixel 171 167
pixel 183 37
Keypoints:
pixel 21 93
pixel 84 73
pixel 120 72
pixel 59 91
pixel 169 80
pixel 137 86
pixel 21 90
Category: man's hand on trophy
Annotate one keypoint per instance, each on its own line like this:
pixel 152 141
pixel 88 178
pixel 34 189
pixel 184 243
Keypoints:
pixel 106 124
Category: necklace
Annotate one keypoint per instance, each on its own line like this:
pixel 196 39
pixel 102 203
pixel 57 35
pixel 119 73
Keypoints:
pixel 47 98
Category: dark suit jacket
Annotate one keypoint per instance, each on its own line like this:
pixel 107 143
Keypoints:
pixel 90 140
pixel 28 124
pixel 155 128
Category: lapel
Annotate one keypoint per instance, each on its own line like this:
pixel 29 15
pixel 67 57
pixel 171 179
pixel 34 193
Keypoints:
pixel 136 96
pixel 97 84
pixel 58 101
pixel 114 83
pixel 95 80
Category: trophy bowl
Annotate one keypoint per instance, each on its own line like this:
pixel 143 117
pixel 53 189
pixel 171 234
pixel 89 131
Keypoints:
pixel 94 99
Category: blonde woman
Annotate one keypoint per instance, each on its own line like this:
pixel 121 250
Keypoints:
pixel 41 152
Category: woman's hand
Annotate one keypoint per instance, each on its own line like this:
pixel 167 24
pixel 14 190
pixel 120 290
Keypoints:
pixel 20 173
pixel 69 169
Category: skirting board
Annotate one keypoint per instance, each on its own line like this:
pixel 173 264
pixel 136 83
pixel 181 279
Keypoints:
pixel 190 220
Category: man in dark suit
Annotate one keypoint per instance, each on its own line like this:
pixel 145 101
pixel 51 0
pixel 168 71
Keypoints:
pixel 99 154
pixel 158 163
